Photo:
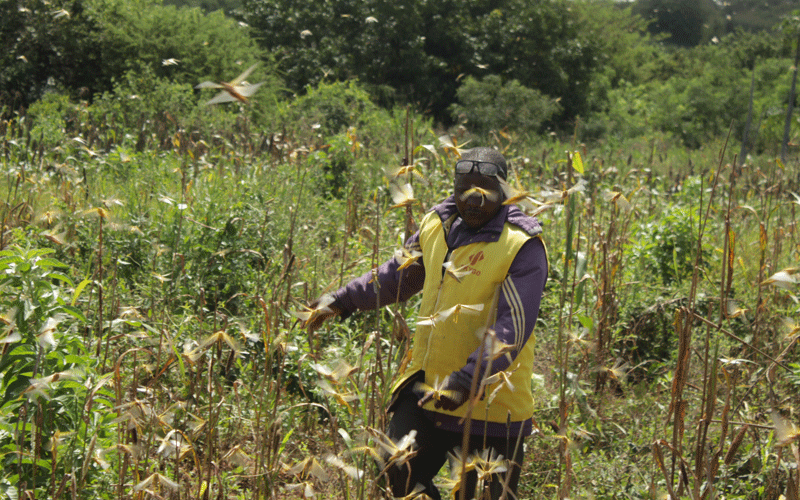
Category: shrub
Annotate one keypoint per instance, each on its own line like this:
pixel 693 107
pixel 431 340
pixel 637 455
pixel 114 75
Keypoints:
pixel 490 104
pixel 665 245
pixel 49 116
pixel 332 107
pixel 48 382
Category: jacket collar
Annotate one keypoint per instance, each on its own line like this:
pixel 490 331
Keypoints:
pixel 489 232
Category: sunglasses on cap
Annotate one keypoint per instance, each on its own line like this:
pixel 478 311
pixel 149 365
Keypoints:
pixel 484 167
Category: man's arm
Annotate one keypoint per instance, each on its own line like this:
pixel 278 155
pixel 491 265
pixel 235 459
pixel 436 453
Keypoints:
pixel 388 285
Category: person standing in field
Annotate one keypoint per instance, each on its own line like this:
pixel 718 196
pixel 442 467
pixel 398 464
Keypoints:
pixel 481 266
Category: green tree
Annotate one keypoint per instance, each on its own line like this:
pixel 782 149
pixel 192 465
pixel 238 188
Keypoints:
pixel 689 95
pixel 182 44
pixel 791 26
pixel 688 22
pixel 46 44
pixel 82 46
pixel 419 51
pixel 756 15
pixel 231 8
pixel 491 105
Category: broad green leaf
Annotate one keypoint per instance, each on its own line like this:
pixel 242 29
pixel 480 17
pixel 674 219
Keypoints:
pixel 75 313
pixel 7 260
pixel 79 289
pixel 577 163
pixel 50 262
pixel 586 321
pixel 61 277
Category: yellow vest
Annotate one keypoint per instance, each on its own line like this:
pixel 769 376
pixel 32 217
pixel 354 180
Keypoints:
pixel 442 345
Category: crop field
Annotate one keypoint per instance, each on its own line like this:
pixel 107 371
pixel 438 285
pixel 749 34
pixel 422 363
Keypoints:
pixel 155 281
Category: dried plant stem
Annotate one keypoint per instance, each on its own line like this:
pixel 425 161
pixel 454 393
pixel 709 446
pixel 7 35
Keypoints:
pixel 710 362
pixel 561 349
pixel 683 325
pixel 775 361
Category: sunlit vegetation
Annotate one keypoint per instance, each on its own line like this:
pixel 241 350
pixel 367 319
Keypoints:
pixel 160 257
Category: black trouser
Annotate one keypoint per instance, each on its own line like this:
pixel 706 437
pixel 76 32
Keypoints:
pixel 432 447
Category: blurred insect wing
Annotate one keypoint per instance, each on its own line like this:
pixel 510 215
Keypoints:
pixel 316 470
pixel 457 460
pixel 619 200
pixel 785 279
pixel 208 85
pixel 350 470
pixel 785 431
pixel 402 194
pixel 579 187
pixel 553 196
pixel 450 145
pixel 459 309
pixel 406 257
pixel 619 371
pixel 790 326
pixel 342 370
pixel 469 308
pixel 248 90
pixel 541 209
pixel 733 309
pixel 508 190
pixel 406 170
pixel 321 369
pixel 428 320
pixel 239 79
pixel 456 273
pixel 342 398
pixel 407 441
pixel 235 90
pixel 623 204
pixel 324 301
pixel 223 96
pixel 485 193
pixel 303 316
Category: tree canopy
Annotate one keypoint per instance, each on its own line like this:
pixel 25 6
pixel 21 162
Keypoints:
pixel 607 66
pixel 421 50
pixel 82 46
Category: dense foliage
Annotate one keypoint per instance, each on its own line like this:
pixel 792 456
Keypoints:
pixel 419 50
pixel 83 47
pixel 589 65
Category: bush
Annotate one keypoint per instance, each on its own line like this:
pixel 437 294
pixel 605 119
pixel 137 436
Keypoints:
pixel 48 381
pixel 490 104
pixel 666 244
pixel 95 42
pixel 332 107
pixel 49 117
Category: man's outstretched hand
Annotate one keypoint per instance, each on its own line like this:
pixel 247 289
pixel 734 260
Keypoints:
pixel 321 316
pixel 316 313
pixel 447 395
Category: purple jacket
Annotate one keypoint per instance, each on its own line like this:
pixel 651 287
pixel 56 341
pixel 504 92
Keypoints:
pixel 528 272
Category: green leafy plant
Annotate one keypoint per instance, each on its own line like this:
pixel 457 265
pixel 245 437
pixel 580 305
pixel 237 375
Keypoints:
pixel 48 387
pixel 665 245
pixel 491 104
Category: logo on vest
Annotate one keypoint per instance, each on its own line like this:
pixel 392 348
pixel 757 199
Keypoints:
pixel 473 261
